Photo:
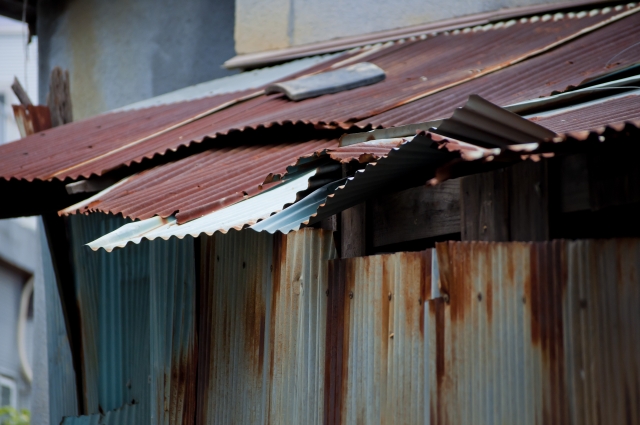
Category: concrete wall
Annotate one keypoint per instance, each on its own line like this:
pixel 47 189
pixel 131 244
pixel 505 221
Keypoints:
pixel 273 24
pixel 122 51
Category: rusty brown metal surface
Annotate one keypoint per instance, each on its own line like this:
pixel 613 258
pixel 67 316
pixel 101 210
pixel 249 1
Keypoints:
pixel 203 183
pixel 535 333
pixel 416 68
pixel 375 356
pixel 31 119
pixel 261 338
pixel 595 116
pixel 611 48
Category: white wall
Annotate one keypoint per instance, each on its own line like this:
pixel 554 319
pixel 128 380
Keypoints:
pixel 13 54
pixel 274 24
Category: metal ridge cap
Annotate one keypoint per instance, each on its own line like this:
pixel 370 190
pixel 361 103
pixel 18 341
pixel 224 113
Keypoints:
pixel 254 60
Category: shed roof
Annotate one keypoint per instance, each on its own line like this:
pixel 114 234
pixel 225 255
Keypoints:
pixel 416 68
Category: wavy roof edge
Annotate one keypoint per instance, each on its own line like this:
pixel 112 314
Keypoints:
pixel 260 59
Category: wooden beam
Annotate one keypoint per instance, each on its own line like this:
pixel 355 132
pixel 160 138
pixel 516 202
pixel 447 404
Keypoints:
pixel 484 210
pixel 416 213
pixel 20 93
pixel 353 231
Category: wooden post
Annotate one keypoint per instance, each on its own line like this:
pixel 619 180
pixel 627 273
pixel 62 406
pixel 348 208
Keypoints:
pixel 353 229
pixel 59 97
pixel 21 94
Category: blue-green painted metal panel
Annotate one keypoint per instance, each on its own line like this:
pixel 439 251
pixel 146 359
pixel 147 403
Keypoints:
pixel 62 378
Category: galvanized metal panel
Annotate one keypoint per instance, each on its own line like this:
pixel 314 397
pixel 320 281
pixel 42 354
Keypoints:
pixel 235 216
pixel 173 332
pixel 375 339
pixel 261 335
pixel 415 69
pixel 536 333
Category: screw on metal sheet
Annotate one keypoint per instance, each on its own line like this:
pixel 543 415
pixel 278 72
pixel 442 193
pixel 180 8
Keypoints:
pixel 420 301
pixel 272 267
pixel 424 78
pixel 217 258
pixel 326 292
pixel 244 264
pixel 484 229
pixel 390 296
pixel 479 296
pixel 445 297
pixel 351 295
pixel 524 300
pixel 391 335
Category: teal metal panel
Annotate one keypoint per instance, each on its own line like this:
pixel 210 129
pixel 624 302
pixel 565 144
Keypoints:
pixel 62 378
pixel 113 298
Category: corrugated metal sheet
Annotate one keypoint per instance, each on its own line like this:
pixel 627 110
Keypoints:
pixel 63 398
pixel 413 162
pixel 236 216
pixel 415 69
pixel 606 50
pixel 535 333
pixel 261 350
pixel 376 352
pixel 173 346
pixel 113 299
pixel 594 115
pixel 200 184
pixel 138 327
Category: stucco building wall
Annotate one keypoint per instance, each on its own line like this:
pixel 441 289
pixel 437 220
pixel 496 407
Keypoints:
pixel 122 51
pixel 274 24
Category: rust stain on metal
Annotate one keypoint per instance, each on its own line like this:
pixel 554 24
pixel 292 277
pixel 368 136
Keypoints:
pixel 32 119
pixel 536 77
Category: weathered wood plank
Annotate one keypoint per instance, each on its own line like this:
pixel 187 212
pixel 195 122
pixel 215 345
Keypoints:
pixel 59 97
pixel 484 207
pixel 529 200
pixel 574 183
pixel 353 231
pixel 416 213
pixel 20 93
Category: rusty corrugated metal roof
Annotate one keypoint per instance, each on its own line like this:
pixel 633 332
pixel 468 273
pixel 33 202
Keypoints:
pixel 594 115
pixel 200 184
pixel 415 69
pixel 556 71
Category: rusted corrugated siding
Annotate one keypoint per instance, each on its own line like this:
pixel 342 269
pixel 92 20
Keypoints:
pixel 557 70
pixel 375 356
pixel 173 348
pixel 261 336
pixel 415 69
pixel 536 333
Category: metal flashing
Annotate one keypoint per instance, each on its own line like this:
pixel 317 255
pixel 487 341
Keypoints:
pixel 328 82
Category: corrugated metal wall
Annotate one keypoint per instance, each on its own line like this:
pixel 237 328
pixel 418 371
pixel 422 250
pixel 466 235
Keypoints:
pixel 138 327
pixel 263 306
pixel 63 400
pixel 375 339
pixel 113 296
pixel 536 333
pixel 173 336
